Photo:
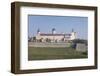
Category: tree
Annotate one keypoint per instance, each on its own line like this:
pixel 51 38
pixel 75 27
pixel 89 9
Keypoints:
pixel 75 41
pixel 34 39
pixel 62 39
pixel 48 40
pixel 79 41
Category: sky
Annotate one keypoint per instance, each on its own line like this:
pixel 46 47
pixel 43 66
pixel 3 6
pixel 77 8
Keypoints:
pixel 62 24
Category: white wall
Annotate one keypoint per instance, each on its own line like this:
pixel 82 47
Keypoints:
pixel 5 33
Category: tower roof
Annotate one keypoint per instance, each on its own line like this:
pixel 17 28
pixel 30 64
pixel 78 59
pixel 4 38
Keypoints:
pixel 53 29
pixel 72 30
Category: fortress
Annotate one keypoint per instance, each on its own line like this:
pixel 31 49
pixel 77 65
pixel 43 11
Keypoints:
pixel 55 37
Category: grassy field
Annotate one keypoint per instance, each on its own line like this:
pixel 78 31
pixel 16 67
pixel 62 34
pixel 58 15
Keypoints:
pixel 47 53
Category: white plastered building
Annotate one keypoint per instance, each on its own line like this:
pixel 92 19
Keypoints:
pixel 55 37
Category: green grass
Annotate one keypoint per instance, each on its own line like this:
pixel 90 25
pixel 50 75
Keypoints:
pixel 47 53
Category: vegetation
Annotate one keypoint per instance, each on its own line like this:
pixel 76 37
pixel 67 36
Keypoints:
pixel 75 41
pixel 40 53
pixel 80 41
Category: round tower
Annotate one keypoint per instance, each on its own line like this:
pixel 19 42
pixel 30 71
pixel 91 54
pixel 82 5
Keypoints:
pixel 38 31
pixel 73 35
pixel 53 31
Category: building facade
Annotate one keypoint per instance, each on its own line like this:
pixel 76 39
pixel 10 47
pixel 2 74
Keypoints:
pixel 54 36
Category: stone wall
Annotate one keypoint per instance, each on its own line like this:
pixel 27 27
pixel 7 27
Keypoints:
pixel 81 47
pixel 41 44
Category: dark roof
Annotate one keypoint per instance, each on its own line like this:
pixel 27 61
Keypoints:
pixel 42 34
